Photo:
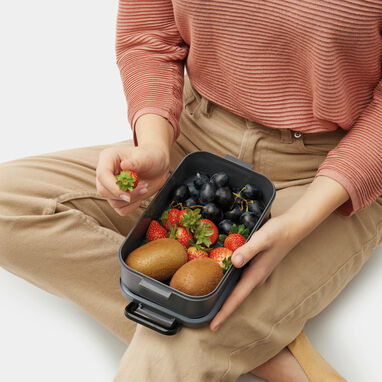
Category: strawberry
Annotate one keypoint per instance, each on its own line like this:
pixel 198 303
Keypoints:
pixel 181 234
pixel 202 233
pixel 195 252
pixel 222 256
pixel 241 230
pixel 127 180
pixel 155 231
pixel 189 219
pixel 212 226
pixel 173 218
pixel 181 215
pixel 234 241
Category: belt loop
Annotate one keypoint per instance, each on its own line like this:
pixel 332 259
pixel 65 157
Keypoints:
pixel 286 136
pixel 205 106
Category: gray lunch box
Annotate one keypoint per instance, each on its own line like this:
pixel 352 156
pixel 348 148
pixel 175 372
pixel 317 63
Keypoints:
pixel 155 304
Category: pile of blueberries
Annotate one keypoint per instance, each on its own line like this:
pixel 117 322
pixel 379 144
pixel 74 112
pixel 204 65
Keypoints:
pixel 220 202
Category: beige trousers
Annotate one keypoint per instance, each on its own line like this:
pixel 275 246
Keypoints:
pixel 58 234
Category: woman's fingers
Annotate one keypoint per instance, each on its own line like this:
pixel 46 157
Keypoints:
pixel 105 175
pixel 252 276
pixel 124 211
pixel 109 166
pixel 257 243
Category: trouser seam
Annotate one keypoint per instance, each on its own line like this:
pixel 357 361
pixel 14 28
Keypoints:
pixel 327 282
pixel 93 223
pixel 90 221
pixel 68 196
pixel 244 145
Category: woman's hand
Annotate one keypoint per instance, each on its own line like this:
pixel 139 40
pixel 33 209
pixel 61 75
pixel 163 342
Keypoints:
pixel 263 251
pixel 273 241
pixel 149 162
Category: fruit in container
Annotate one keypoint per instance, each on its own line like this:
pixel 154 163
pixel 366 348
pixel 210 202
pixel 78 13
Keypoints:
pixel 200 179
pixel 195 252
pixel 127 180
pixel 207 193
pixel 181 193
pixel 155 231
pixel 197 277
pixel 250 191
pixel 234 213
pixel 215 233
pixel 220 179
pixel 234 241
pixel 190 202
pixel 212 212
pixel 221 256
pixel 256 207
pixel 181 234
pixel 158 259
pixel 170 216
pixel 224 197
pixel 193 191
pixel 249 219
pixel 225 226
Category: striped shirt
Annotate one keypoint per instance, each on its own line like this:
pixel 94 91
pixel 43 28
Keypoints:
pixel 310 66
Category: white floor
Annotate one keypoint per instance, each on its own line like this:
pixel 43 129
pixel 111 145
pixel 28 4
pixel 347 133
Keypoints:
pixel 45 338
pixel 60 88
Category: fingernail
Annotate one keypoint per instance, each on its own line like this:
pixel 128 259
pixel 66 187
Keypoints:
pixel 143 191
pixel 125 197
pixel 215 328
pixel 145 185
pixel 238 260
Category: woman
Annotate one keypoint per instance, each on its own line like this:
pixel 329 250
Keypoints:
pixel 291 87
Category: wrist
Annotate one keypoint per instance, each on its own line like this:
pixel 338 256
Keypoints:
pixel 319 200
pixel 156 130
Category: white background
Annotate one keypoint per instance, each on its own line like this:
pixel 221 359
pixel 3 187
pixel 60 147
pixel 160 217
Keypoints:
pixel 60 88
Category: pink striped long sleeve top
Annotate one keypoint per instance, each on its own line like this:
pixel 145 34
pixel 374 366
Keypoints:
pixel 310 66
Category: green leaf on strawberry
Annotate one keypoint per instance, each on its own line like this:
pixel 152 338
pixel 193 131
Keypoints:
pixel 242 230
pixel 164 216
pixel 227 262
pixel 127 180
pixel 202 233
pixel 172 231
pixel 191 219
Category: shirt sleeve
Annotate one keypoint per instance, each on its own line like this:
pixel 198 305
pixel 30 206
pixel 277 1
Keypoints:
pixel 150 56
pixel 356 162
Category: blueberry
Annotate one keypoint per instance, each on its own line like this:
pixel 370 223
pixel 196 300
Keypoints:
pixel 194 192
pixel 249 219
pixel 181 193
pixel 190 202
pixel 207 193
pixel 251 192
pixel 200 179
pixel 220 179
pixel 212 212
pixel 225 226
pixel 224 197
pixel 234 214
pixel 256 207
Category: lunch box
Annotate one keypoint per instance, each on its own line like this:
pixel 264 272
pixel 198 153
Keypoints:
pixel 155 304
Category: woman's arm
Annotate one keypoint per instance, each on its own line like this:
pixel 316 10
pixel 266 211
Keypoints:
pixel 150 56
pixel 356 161
pixel 272 242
